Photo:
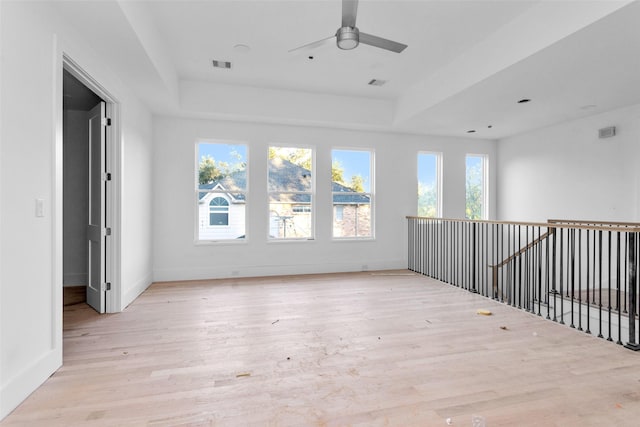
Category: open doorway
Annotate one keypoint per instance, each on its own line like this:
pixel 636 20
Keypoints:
pixel 87 193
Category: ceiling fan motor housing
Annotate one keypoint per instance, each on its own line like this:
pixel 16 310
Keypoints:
pixel 347 38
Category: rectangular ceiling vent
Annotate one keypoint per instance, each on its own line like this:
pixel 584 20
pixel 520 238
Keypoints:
pixel 607 132
pixel 221 64
pixel 377 82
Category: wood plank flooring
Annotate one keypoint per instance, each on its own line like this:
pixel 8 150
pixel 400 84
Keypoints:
pixel 358 349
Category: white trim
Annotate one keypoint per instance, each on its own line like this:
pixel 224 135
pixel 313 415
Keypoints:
pixel 226 272
pixel 113 271
pixel 25 382
pixel 134 291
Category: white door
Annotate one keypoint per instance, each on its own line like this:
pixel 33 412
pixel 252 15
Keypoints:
pixel 96 229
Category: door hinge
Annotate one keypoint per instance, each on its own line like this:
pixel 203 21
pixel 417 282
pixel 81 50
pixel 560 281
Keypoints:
pixel 106 121
pixel 107 176
pixel 107 231
pixel 107 286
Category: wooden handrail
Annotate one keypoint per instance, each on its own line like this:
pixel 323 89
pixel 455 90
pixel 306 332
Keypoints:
pixel 583 222
pixel 526 248
pixel 632 228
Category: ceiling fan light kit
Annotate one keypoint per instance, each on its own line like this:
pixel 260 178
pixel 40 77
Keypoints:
pixel 348 36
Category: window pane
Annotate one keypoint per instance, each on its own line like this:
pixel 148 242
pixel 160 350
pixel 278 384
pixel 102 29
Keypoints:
pixel 352 198
pixel 352 169
pixel 218 222
pixel 290 169
pixel 428 175
pixel 222 184
pixel 475 187
pixel 285 222
pixel 351 219
pixel 222 164
pixel 290 187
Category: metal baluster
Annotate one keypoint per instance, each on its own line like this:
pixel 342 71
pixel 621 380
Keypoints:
pixel 609 287
pixel 562 276
pixel 632 256
pixel 618 260
pixel 588 330
pixel 580 279
pixel 600 284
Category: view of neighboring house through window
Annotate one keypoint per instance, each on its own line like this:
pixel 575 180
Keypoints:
pixel 221 191
pixel 476 187
pixel 352 185
pixel 291 188
pixel 429 185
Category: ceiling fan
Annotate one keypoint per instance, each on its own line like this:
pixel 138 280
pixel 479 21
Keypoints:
pixel 349 36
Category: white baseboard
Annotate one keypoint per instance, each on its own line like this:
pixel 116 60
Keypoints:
pixel 132 292
pixel 224 272
pixel 74 279
pixel 20 386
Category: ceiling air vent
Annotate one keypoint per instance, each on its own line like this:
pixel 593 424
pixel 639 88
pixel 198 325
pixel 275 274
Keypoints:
pixel 221 64
pixel 607 132
pixel 377 82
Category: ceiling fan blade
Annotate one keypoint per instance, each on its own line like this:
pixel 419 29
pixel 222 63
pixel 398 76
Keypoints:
pixel 349 11
pixel 313 45
pixel 381 43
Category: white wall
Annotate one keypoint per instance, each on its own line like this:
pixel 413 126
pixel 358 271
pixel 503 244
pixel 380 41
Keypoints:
pixel 33 39
pixel 137 197
pixel 177 257
pixel 566 172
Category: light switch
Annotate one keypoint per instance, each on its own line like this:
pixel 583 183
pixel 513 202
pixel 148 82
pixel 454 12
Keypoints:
pixel 39 208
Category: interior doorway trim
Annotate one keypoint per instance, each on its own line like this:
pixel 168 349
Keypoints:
pixel 113 251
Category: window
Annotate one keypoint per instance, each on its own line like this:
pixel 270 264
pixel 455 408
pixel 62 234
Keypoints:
pixel 302 209
pixel 429 185
pixel 352 188
pixel 221 191
pixel 219 211
pixel 476 187
pixel 290 187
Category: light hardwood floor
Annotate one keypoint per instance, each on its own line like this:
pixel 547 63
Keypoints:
pixel 361 349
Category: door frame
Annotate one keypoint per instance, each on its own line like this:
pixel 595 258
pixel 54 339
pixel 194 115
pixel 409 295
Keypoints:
pixel 113 248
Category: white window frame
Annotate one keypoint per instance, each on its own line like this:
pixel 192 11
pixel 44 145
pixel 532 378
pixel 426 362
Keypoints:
pixel 312 196
pixel 484 214
pixel 196 215
pixel 438 156
pixel 371 194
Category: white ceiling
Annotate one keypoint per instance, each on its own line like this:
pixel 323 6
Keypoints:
pixel 467 64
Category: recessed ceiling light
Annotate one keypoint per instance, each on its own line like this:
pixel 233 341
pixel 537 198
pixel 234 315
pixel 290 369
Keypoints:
pixel 524 101
pixel 221 64
pixel 471 131
pixel 490 126
pixel 310 57
pixel 241 48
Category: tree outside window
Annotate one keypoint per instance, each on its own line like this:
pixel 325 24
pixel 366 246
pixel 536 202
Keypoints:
pixel 475 187
pixel 428 185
